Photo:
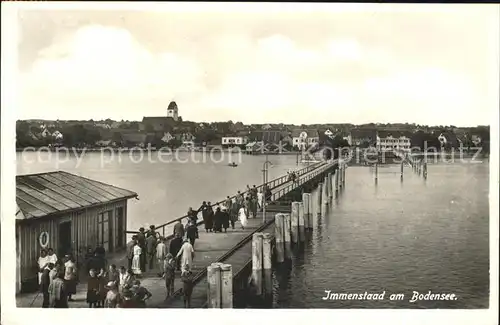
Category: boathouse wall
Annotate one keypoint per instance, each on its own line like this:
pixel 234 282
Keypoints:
pixel 87 228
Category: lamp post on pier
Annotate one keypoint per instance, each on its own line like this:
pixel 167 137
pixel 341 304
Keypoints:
pixel 265 172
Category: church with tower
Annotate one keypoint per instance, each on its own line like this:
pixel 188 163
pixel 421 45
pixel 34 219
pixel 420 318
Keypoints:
pixel 173 111
pixel 162 123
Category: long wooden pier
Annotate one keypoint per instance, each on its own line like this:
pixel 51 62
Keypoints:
pixel 235 247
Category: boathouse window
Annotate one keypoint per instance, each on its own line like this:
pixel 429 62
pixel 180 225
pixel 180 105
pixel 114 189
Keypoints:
pixel 119 227
pixel 103 232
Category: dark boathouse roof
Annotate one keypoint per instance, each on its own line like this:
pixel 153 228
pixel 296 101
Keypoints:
pixel 40 195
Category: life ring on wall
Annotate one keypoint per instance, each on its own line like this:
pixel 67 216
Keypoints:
pixel 44 239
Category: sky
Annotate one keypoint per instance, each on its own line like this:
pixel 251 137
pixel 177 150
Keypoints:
pixel 258 63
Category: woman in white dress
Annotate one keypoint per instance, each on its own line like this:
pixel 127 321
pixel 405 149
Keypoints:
pixel 186 253
pixel 260 197
pixel 242 217
pixel 136 264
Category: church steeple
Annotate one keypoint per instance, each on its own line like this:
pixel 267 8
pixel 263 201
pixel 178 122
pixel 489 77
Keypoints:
pixel 173 111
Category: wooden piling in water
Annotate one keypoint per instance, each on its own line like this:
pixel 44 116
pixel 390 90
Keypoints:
pixel 327 188
pixel 324 194
pixel 402 169
pixel 226 272
pixel 302 228
pixel 214 290
pixel 330 185
pixel 257 250
pixel 278 234
pixel 425 170
pixel 306 199
pixel 267 263
pixel 267 252
pixel 320 194
pixel 343 174
pixel 376 172
pixel 337 183
pixel 287 238
pixel 294 222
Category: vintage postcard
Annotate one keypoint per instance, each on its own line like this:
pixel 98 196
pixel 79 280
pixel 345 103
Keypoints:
pixel 310 156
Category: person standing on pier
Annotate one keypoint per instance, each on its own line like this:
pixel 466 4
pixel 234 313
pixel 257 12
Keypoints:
pixel 225 218
pixel 161 252
pixel 103 289
pixel 218 220
pixel 239 200
pixel 151 249
pixel 210 217
pixel 93 289
pixel 228 203
pixel 242 217
pixel 51 256
pixel 127 280
pixel 246 205
pixel 44 285
pixel 42 262
pixel 254 191
pixel 174 248
pixel 233 213
pixel 187 281
pixel 54 272
pixel 193 218
pixel 253 205
pixel 70 276
pixel 169 274
pixel 152 232
pixel 141 240
pixel 191 232
pixel 186 253
pixel 99 250
pixel 194 214
pixel 178 229
pixel 114 275
pixel 57 292
pixel 141 294
pixel 136 261
pixel 268 195
pixel 260 198
pixel 122 278
pixel 204 213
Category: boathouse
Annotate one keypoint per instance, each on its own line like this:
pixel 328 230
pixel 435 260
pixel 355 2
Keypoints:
pixel 67 213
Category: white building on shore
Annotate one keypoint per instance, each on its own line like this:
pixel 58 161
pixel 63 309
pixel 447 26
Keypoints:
pixel 393 140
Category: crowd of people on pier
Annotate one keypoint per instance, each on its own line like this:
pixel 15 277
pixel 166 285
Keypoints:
pixel 239 208
pixel 112 287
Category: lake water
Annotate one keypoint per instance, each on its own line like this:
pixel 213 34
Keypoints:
pixel 397 237
pixel 167 187
pixel 394 236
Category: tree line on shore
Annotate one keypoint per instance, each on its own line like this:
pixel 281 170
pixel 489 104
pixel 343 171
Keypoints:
pixel 87 134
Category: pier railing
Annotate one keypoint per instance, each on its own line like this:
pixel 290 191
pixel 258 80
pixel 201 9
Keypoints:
pixel 166 229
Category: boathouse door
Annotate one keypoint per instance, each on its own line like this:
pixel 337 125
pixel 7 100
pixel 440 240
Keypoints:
pixel 65 244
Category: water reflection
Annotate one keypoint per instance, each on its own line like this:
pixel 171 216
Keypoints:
pixel 418 235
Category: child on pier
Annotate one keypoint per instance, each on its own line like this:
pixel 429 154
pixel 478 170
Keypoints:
pixel 93 289
pixel 169 267
pixel 187 290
